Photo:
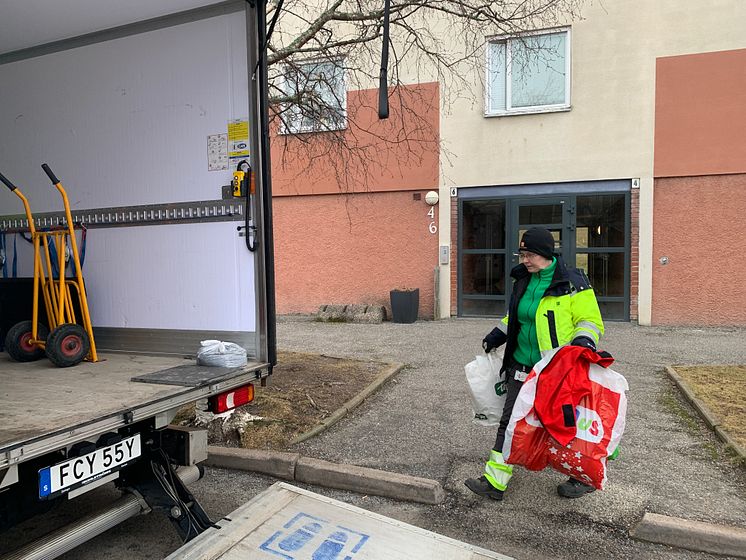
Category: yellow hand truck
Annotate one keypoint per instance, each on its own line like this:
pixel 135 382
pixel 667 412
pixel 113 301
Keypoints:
pixel 66 343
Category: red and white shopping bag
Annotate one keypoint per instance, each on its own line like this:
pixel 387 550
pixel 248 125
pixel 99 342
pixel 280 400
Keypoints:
pixel 589 429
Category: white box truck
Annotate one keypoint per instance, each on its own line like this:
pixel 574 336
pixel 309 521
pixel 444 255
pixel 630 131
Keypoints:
pixel 130 104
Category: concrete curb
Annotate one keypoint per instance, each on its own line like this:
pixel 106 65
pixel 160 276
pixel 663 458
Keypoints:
pixel 274 463
pixel 692 535
pixel 707 415
pixel 292 466
pixel 341 412
pixel 369 481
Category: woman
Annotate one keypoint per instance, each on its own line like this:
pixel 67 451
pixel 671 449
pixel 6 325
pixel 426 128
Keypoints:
pixel 550 306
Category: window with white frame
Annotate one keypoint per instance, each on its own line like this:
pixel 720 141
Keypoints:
pixel 319 94
pixel 529 73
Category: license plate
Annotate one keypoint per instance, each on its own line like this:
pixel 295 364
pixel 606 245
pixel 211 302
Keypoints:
pixel 85 469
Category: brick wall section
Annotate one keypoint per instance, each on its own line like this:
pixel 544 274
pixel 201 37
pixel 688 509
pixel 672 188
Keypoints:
pixel 700 190
pixel 454 256
pixel 352 249
pixel 698 224
pixel 634 272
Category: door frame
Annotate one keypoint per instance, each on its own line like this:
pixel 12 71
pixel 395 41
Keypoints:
pixel 531 193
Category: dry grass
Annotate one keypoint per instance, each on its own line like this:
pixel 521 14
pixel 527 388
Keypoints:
pixel 723 390
pixel 302 391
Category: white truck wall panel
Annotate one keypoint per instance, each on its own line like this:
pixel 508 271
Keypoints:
pixel 183 276
pixel 125 122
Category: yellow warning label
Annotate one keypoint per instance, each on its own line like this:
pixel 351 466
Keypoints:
pixel 238 138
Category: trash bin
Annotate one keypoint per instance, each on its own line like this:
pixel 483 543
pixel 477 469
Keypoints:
pixel 405 305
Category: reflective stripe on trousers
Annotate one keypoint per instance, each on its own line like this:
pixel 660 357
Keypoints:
pixel 496 471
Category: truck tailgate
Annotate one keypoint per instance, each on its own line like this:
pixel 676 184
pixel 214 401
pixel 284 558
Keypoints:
pixel 291 523
pixel 45 407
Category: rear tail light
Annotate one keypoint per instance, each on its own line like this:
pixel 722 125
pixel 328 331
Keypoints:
pixel 231 399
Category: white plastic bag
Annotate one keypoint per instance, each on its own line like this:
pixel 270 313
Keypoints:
pixel 222 354
pixel 487 388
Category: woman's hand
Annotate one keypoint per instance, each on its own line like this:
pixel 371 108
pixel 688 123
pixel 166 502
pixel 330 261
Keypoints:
pixel 495 339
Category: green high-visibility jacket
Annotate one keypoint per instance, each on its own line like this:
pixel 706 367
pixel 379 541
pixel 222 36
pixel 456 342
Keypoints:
pixel 568 309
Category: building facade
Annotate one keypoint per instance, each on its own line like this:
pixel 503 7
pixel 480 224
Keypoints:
pixel 623 138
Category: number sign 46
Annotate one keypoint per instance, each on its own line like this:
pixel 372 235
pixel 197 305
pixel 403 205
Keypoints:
pixel 432 228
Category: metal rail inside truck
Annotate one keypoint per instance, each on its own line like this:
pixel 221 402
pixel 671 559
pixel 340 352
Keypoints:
pixel 142 116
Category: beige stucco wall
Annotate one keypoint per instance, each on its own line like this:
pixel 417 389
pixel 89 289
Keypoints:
pixel 608 133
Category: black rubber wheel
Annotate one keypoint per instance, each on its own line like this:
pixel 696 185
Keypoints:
pixel 17 342
pixel 68 345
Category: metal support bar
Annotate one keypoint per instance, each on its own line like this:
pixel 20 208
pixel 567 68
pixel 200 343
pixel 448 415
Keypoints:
pixel 63 540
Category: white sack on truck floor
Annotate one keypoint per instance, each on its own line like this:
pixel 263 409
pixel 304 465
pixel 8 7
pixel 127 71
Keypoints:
pixel 221 354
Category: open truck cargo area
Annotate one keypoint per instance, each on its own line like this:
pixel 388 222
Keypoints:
pixel 133 109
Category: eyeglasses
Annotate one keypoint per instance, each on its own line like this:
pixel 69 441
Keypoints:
pixel 525 255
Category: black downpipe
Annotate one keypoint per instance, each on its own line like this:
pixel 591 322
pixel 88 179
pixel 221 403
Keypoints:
pixel 383 92
pixel 269 244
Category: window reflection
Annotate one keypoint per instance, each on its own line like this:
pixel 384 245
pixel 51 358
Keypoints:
pixel 540 214
pixel 600 221
pixel 482 307
pixel 604 270
pixel 484 224
pixel 483 274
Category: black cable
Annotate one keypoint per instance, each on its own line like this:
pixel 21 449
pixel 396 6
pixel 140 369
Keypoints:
pixel 263 46
pixel 272 23
pixel 247 227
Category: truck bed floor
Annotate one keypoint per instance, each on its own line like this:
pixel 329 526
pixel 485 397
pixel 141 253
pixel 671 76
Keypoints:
pixel 39 399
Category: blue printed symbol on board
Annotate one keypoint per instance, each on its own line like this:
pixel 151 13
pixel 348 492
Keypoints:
pixel 307 537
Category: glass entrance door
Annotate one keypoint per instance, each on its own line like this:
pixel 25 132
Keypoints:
pixel 591 231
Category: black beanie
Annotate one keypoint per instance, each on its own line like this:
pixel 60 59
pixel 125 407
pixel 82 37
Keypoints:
pixel 538 240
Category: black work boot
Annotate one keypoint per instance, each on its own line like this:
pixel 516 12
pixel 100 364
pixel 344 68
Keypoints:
pixel 574 489
pixel 482 487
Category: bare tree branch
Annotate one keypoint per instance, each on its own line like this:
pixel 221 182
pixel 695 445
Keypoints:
pixel 316 42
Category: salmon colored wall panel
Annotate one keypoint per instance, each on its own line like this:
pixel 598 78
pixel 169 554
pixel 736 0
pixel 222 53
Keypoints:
pixel 349 249
pixel 398 153
pixel 700 225
pixel 700 114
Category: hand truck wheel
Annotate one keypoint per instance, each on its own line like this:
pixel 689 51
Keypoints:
pixel 67 345
pixel 18 342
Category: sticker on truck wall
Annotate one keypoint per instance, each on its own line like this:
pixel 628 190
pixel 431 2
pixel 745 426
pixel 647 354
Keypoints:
pixel 217 152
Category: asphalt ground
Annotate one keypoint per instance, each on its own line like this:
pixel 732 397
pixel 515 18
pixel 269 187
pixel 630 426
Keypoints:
pixel 419 424
pixel 670 462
